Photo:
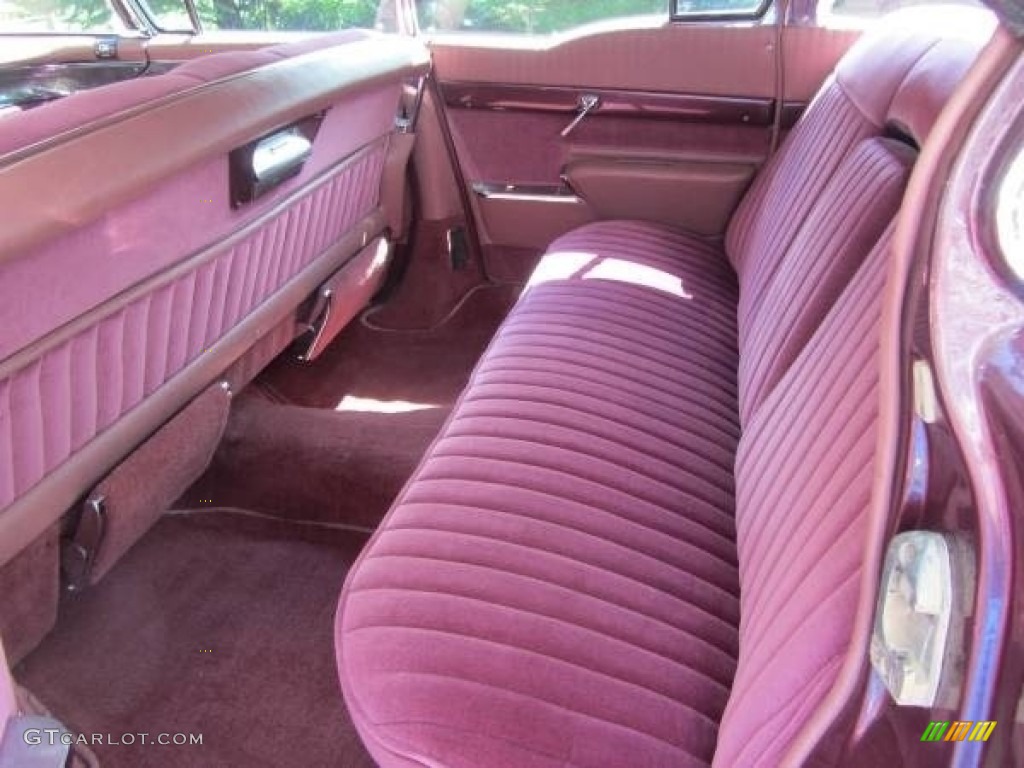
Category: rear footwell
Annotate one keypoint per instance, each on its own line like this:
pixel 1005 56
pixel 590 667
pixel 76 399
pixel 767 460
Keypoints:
pixel 220 623
pixel 336 440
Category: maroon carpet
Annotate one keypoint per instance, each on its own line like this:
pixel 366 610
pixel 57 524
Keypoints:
pixel 217 623
pixel 336 441
pixel 368 360
pixel 221 622
pixel 429 287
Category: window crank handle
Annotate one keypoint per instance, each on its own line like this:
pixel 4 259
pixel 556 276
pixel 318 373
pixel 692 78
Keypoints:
pixel 588 102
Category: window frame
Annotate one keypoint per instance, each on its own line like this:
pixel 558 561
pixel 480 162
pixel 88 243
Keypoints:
pixel 683 17
pixel 671 10
pixel 151 20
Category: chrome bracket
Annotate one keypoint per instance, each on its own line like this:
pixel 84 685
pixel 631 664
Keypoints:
pixel 79 553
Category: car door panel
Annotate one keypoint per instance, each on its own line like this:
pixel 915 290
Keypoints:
pixel 809 54
pixel 520 140
pixel 683 123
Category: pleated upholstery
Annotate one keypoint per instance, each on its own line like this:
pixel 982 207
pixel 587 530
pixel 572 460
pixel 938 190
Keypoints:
pixel 804 472
pixel 782 307
pixel 557 585
pixel 56 403
pixel 784 192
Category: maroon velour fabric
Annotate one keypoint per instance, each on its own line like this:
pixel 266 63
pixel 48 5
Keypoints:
pixel 558 584
pixel 583 571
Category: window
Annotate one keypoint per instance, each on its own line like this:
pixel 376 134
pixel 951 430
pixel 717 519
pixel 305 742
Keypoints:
pixel 535 17
pixel 269 15
pixel 724 9
pixel 870 9
pixel 529 16
pixel 67 16
pixel 539 17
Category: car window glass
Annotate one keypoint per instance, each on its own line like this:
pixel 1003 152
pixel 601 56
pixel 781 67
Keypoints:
pixel 57 16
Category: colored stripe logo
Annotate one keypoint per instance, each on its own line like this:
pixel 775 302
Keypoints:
pixel 966 730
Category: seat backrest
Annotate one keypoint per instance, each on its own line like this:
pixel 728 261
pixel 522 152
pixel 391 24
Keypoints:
pixel 807 463
pixel 127 275
pixel 804 478
pixel 814 213
pixel 780 313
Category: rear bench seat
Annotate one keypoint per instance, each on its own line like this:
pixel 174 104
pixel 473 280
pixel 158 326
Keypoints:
pixel 129 282
pixel 639 539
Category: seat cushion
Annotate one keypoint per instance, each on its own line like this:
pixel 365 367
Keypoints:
pixel 557 584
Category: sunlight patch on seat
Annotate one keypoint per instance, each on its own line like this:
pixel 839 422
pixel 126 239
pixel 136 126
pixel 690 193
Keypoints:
pixel 369 405
pixel 588 266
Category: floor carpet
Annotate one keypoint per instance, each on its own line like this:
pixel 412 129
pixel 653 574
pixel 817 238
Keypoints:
pixel 372 361
pixel 220 622
pixel 335 441
pixel 217 622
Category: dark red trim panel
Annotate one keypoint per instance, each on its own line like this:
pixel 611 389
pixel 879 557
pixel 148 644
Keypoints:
pixel 535 98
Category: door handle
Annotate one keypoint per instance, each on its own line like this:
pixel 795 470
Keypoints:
pixel 588 102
